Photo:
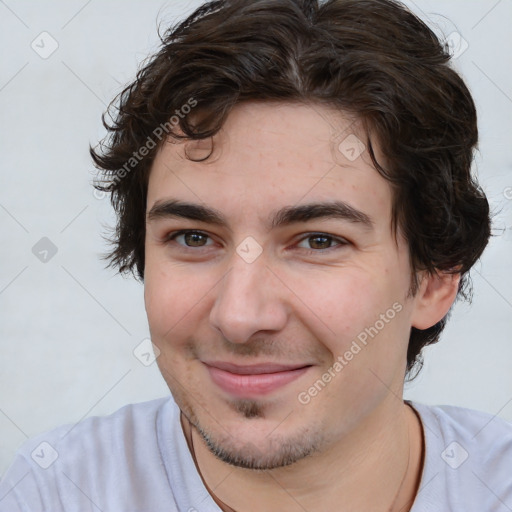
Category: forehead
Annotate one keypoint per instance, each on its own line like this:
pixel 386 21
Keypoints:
pixel 273 154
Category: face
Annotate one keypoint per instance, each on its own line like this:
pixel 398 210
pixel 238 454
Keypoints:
pixel 276 291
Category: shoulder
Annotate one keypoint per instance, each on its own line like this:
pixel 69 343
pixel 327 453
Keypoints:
pixel 64 465
pixel 481 431
pixel 468 459
pixel 104 433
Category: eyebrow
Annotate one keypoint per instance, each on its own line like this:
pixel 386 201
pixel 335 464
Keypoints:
pixel 340 210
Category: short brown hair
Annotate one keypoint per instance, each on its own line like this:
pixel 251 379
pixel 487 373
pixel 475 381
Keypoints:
pixel 373 59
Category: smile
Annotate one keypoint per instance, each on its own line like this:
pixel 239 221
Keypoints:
pixel 255 380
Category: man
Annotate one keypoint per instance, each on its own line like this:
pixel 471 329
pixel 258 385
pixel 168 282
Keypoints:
pixel 293 185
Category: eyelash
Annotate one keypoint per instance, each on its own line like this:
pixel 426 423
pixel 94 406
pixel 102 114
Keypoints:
pixel 340 241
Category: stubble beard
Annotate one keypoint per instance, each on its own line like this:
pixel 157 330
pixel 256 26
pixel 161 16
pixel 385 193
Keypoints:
pixel 274 451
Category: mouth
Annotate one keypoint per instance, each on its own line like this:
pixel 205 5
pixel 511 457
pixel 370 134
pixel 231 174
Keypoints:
pixel 246 381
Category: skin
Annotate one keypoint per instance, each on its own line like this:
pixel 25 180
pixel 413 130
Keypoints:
pixel 305 299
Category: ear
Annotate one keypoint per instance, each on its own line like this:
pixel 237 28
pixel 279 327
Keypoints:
pixel 434 298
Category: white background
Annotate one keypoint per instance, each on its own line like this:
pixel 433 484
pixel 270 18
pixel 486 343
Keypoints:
pixel 69 326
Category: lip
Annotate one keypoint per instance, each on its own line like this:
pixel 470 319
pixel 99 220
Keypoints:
pixel 253 380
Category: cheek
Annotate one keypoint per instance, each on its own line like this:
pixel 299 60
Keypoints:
pixel 344 302
pixel 170 296
pixel 355 307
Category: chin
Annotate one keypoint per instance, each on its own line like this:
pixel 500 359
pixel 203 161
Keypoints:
pixel 263 453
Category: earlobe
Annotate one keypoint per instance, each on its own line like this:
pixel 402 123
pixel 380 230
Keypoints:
pixel 434 298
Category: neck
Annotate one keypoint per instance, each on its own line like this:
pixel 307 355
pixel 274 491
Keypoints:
pixel 375 467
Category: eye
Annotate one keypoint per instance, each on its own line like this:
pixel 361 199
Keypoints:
pixel 190 239
pixel 321 242
pixel 312 243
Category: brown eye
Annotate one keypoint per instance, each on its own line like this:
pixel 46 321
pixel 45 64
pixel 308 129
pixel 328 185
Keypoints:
pixel 321 242
pixel 190 238
pixel 194 239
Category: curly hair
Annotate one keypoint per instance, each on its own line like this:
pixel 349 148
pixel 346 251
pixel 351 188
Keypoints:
pixel 373 59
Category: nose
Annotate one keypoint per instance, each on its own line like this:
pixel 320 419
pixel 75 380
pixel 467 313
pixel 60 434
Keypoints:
pixel 250 298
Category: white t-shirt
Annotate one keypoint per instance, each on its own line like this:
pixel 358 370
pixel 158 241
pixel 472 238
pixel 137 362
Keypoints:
pixel 137 460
